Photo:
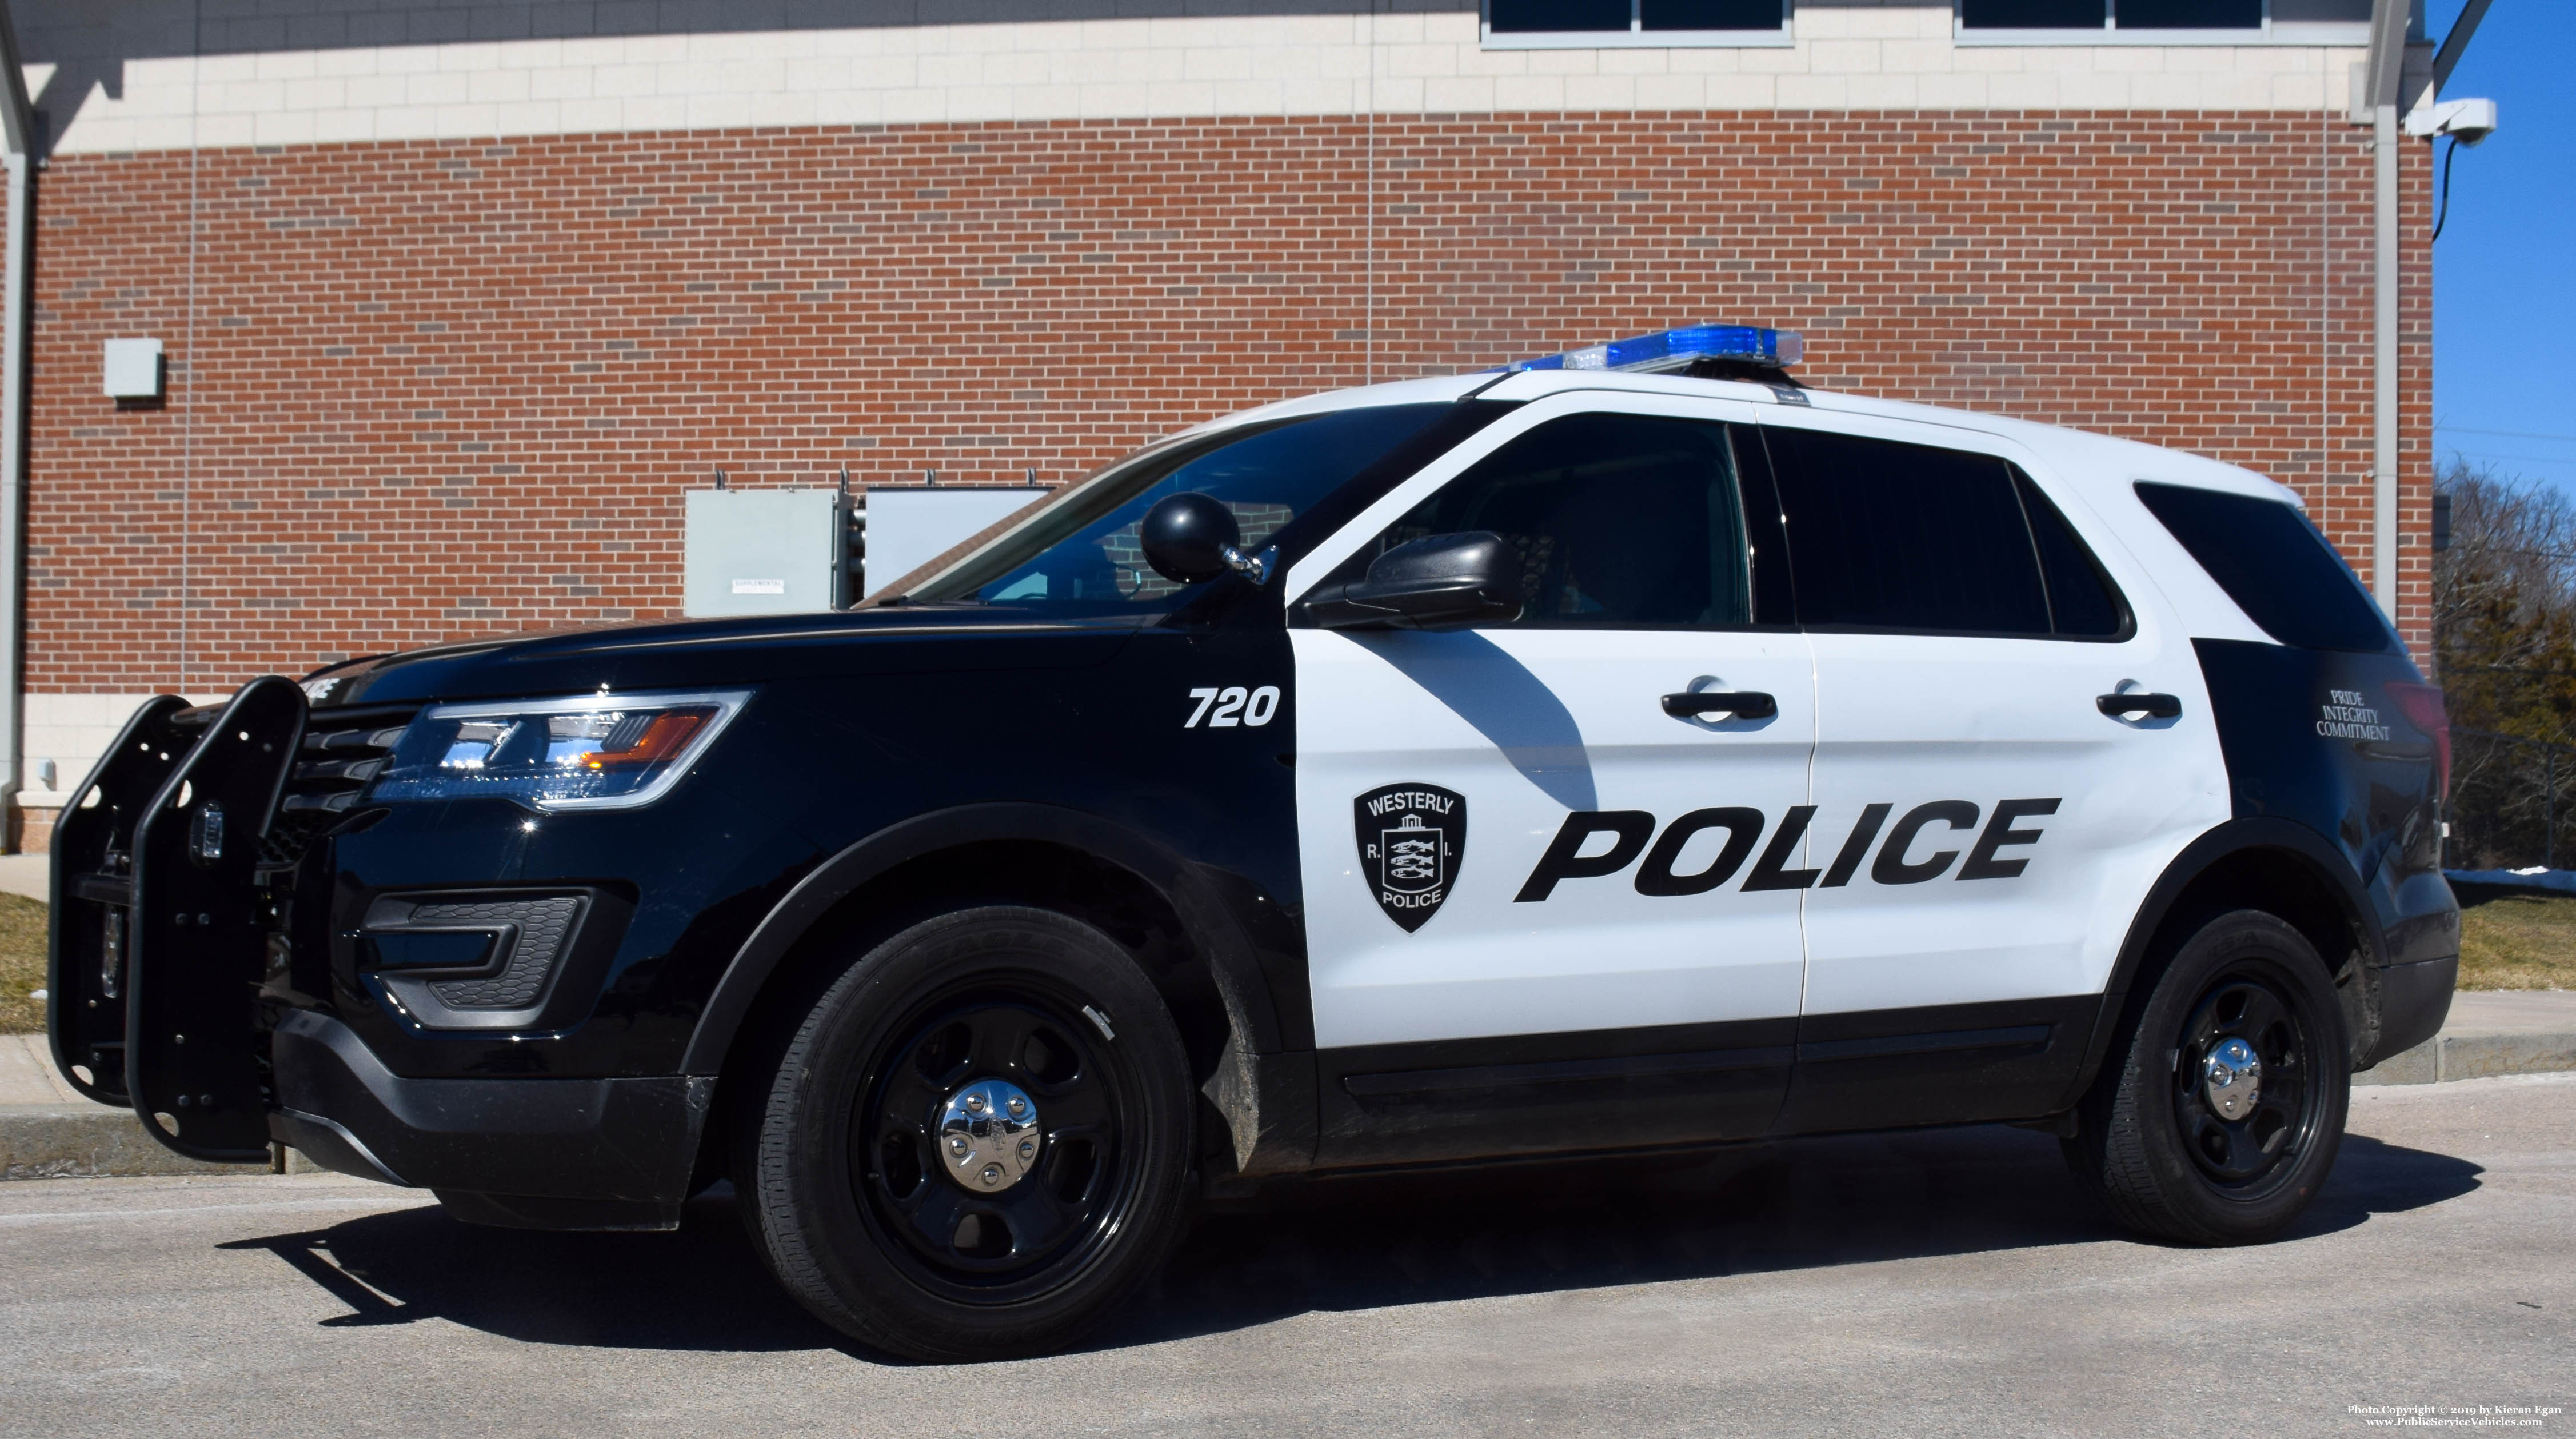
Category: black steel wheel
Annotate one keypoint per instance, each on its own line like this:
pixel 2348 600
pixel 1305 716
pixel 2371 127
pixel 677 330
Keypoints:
pixel 977 1140
pixel 994 1201
pixel 2218 1114
pixel 2242 1091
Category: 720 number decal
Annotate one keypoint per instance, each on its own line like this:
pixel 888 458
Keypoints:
pixel 1233 705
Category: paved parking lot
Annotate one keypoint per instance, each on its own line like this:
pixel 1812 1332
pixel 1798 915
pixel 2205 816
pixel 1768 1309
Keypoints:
pixel 1916 1284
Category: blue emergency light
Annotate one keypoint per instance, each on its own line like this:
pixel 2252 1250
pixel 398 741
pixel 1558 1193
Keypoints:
pixel 1679 349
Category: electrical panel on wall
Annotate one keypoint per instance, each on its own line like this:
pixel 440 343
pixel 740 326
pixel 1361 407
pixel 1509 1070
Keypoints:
pixel 765 552
pixel 131 369
pixel 911 525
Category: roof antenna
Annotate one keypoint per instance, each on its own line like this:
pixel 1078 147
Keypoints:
pixel 720 479
pixel 930 478
pixel 1033 478
pixel 845 477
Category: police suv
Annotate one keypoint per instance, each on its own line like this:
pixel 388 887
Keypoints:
pixel 1627 749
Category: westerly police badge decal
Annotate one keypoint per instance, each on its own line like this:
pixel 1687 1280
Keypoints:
pixel 1411 839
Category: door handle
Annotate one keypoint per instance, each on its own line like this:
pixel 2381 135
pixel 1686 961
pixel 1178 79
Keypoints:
pixel 1743 704
pixel 2153 706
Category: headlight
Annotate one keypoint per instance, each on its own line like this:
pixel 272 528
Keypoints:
pixel 583 752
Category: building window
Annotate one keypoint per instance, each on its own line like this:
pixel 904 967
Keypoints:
pixel 2165 22
pixel 1565 24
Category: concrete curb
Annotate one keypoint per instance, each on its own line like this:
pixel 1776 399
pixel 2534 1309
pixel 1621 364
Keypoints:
pixel 2475 1056
pixel 2490 1032
pixel 81 1141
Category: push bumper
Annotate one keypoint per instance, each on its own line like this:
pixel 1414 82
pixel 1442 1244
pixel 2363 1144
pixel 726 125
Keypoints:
pixel 524 1153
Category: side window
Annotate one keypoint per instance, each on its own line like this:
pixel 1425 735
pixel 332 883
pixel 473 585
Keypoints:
pixel 1748 19
pixel 1890 536
pixel 2083 604
pixel 1620 521
pixel 2275 565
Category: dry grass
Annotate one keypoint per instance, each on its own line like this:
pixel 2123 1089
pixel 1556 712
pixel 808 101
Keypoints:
pixel 2517 941
pixel 22 964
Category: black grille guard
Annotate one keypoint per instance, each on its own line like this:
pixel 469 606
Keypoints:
pixel 160 928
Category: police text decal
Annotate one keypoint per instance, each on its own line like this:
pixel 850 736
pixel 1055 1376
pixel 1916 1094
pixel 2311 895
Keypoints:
pixel 1912 852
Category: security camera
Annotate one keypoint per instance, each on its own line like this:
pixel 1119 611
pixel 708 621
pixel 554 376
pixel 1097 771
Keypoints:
pixel 2468 121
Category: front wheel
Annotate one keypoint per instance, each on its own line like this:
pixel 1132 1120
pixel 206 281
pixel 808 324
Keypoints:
pixel 977 1141
pixel 2219 1114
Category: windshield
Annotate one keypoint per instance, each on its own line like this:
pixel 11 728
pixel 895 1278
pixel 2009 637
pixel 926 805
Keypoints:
pixel 1080 555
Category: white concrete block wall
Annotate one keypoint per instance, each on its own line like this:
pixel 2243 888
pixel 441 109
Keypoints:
pixel 1893 56
pixel 72 730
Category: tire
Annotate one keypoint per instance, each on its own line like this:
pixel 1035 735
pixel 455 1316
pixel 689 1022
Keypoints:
pixel 2157 1140
pixel 996 1235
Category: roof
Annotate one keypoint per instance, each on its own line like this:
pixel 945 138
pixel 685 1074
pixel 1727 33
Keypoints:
pixel 2081 457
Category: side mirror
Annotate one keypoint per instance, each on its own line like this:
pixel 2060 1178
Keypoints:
pixel 1190 537
pixel 1438 582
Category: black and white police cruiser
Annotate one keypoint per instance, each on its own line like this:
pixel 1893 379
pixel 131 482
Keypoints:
pixel 1627 749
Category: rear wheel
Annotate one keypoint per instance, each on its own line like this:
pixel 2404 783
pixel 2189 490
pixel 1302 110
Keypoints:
pixel 977 1140
pixel 2220 1112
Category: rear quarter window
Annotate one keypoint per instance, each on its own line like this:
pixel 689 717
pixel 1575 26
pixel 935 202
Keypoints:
pixel 2275 565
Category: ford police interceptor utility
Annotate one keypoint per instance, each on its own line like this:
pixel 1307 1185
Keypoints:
pixel 1627 749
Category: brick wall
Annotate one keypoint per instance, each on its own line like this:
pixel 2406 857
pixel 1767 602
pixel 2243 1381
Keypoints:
pixel 430 389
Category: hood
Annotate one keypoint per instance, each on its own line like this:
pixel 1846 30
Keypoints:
pixel 693 654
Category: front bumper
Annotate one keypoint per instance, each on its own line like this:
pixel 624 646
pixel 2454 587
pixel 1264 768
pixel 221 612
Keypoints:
pixel 526 1153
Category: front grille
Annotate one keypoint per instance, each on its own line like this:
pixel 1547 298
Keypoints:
pixel 343 749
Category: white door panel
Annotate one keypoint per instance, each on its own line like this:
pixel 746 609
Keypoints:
pixel 1906 721
pixel 1531 726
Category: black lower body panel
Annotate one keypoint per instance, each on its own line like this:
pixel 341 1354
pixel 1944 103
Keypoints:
pixel 1941 1064
pixel 531 1153
pixel 1466 1099
pixel 1701 1084
pixel 2414 999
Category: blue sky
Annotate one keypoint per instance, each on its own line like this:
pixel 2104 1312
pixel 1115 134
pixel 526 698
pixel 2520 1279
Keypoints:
pixel 2504 271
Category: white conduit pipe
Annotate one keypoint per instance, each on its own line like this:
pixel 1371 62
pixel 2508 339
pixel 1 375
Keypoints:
pixel 2383 359
pixel 2376 106
pixel 13 471
pixel 17 125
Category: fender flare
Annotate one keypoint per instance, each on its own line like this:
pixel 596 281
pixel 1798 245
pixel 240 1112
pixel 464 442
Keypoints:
pixel 2233 837
pixel 1211 928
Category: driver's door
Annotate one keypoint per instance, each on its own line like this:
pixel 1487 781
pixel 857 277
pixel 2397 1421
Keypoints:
pixel 1536 901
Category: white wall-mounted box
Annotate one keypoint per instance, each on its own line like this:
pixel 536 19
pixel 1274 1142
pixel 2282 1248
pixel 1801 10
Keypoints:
pixel 131 370
pixel 764 552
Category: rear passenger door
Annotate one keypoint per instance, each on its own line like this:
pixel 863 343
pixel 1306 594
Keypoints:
pixel 1983 830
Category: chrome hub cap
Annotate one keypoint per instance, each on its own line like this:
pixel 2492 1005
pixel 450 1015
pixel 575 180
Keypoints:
pixel 2233 1077
pixel 987 1136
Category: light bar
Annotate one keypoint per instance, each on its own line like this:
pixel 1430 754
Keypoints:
pixel 1679 349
